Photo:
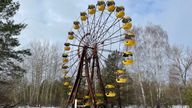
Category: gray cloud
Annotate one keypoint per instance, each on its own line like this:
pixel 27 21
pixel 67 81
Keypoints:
pixel 51 19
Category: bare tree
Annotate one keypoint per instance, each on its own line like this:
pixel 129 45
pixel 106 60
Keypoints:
pixel 43 68
pixel 181 63
pixel 151 61
pixel 179 69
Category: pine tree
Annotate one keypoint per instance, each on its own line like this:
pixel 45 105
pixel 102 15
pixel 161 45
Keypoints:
pixel 10 54
pixel 113 62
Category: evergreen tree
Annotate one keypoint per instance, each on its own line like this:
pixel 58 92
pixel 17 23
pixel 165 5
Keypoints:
pixel 113 62
pixel 10 54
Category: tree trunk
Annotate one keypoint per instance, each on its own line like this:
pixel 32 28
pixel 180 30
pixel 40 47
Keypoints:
pixel 151 95
pixel 142 91
pixel 119 97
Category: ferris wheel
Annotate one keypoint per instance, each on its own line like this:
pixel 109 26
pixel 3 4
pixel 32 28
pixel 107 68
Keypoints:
pixel 100 30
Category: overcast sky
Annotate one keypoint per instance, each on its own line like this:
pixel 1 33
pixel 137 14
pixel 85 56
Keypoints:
pixel 51 19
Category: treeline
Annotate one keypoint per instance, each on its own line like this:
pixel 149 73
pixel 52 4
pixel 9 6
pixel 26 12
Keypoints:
pixel 43 82
pixel 160 76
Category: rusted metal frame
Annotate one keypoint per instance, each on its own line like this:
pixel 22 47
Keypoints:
pixel 74 91
pixel 93 60
pixel 77 78
pixel 101 81
pixel 71 97
pixel 82 39
pixel 93 68
pixel 77 88
pixel 90 82
pixel 80 46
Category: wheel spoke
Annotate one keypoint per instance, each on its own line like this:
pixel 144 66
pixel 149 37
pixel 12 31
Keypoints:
pixel 113 42
pixel 103 33
pixel 111 35
pixel 103 25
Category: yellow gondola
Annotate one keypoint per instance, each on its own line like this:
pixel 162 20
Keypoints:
pixel 67 44
pixel 91 9
pixel 66 83
pixel 83 16
pixel 127 26
pixel 127 54
pixel 110 94
pixel 65 67
pixel 126 19
pixel 120 12
pixel 111 5
pixel 65 55
pixel 109 86
pixel 79 100
pixel 65 72
pixel 70 86
pixel 129 35
pixel 101 5
pixel 76 25
pixel 132 34
pixel 67 48
pixel 99 102
pixel 87 104
pixel 130 42
pixel 128 62
pixel 71 35
pixel 111 8
pixel 65 60
pixel 121 80
pixel 69 93
pixel 120 71
pixel 98 94
pixel 87 97
pixel 66 76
